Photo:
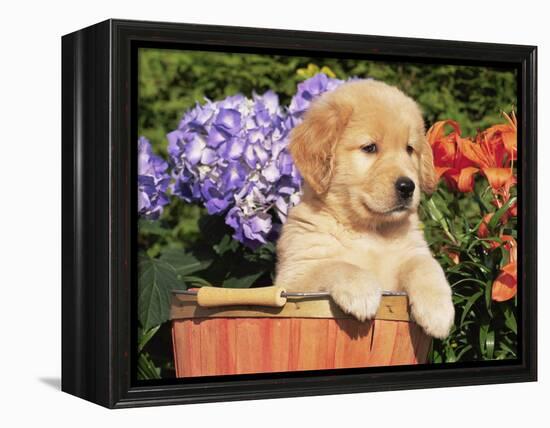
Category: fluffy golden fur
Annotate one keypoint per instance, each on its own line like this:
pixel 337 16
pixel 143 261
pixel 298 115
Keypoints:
pixel 353 234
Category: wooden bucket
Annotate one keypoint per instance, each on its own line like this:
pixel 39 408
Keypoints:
pixel 304 334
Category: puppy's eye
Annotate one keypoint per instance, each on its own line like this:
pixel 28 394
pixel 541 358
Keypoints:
pixel 410 150
pixel 370 148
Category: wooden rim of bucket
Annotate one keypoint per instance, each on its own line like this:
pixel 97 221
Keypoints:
pixel 392 308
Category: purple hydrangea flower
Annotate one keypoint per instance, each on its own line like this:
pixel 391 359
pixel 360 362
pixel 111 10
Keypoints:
pixel 153 181
pixel 232 155
pixel 307 91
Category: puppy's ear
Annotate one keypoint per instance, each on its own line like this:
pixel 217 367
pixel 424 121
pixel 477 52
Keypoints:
pixel 313 142
pixel 428 177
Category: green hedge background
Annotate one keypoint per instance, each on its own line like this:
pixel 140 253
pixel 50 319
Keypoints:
pixel 172 81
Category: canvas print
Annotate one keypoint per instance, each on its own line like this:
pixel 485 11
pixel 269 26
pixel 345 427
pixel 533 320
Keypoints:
pixel 316 213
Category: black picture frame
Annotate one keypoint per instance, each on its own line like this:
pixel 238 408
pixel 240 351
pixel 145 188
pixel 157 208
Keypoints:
pixel 99 219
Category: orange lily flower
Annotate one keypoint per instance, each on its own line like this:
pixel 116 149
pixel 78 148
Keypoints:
pixel 506 195
pixel 453 255
pixel 494 151
pixel 449 161
pixel 507 133
pixel 483 229
pixel 505 285
pixel 513 211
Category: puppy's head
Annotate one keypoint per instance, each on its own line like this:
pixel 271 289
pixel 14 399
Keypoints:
pixel 361 148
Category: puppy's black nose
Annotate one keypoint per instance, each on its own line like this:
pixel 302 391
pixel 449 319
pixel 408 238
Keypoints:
pixel 404 187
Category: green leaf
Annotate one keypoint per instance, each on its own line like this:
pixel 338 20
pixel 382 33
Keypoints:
pixel 152 227
pixel 227 244
pixel 488 297
pixel 469 264
pixel 156 281
pixel 145 337
pixel 242 280
pixel 479 199
pixel 483 329
pixel 196 281
pixel 146 369
pixel 183 263
pixel 463 351
pixel 507 350
pixel 470 302
pixel 450 356
pixel 500 212
pixel 435 213
pixel 510 320
pixel 468 280
pixel 490 344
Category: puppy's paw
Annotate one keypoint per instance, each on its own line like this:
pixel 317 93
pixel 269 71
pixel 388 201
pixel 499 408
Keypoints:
pixel 360 300
pixel 433 311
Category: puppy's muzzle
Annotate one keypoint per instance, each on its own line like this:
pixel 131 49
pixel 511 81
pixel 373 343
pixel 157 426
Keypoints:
pixel 404 187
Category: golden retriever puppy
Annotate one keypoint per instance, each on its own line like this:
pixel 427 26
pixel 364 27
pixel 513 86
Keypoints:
pixel 363 155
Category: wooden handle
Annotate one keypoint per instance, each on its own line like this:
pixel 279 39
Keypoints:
pixel 210 297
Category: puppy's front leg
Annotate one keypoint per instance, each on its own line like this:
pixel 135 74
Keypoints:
pixel 430 295
pixel 355 290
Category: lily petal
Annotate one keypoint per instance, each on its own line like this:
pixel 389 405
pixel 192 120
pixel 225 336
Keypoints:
pixel 505 286
pixel 497 177
pixel 437 131
pixel 483 229
pixel 466 179
pixel 440 171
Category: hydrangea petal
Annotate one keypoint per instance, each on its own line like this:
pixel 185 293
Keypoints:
pixel 153 181
pixel 230 119
pixel 193 150
pixel 271 173
pixel 216 136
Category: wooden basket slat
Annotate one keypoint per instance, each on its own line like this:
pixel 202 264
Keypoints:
pixel 238 340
